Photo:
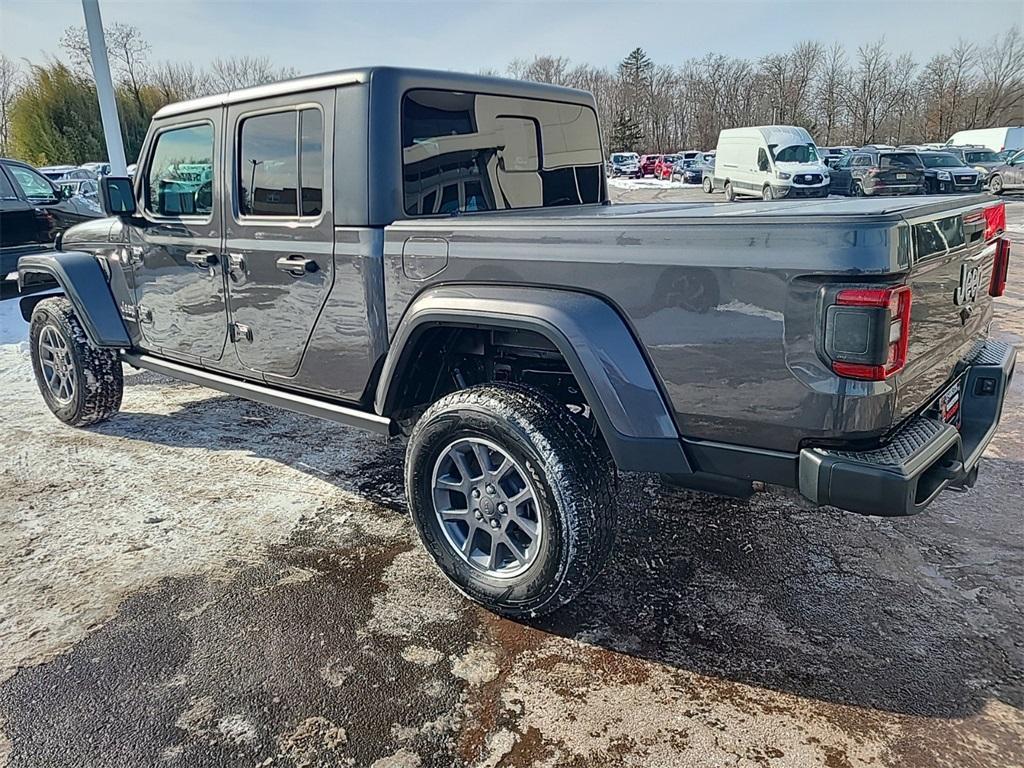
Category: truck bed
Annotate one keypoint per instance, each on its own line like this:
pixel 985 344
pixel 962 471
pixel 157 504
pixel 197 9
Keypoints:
pixel 728 315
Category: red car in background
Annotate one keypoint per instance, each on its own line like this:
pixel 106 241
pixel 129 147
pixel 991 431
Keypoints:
pixel 663 168
pixel 647 163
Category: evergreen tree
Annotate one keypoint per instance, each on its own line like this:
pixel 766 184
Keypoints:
pixel 627 134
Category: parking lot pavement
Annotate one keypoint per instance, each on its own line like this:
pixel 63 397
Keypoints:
pixel 203 581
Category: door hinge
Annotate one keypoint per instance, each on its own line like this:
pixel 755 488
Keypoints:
pixel 240 332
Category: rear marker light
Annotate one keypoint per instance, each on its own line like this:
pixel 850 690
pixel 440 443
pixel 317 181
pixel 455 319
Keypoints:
pixel 1000 268
pixel 895 324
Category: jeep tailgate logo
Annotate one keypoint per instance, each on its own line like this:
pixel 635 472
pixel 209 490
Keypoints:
pixel 970 283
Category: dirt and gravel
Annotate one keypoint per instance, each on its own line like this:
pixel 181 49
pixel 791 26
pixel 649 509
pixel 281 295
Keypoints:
pixel 203 581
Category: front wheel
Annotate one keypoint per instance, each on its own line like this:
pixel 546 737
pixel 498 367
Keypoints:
pixel 857 190
pixel 730 195
pixel 995 185
pixel 767 193
pixel 80 384
pixel 510 497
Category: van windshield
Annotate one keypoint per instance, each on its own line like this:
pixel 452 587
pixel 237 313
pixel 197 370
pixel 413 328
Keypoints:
pixel 798 153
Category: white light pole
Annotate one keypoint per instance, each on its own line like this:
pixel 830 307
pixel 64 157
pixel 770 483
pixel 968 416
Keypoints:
pixel 104 88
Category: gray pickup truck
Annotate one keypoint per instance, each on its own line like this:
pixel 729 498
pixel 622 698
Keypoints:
pixel 433 255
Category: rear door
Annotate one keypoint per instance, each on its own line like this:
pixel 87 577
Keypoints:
pixel 279 233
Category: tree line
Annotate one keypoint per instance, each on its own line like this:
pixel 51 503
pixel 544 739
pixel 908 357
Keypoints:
pixel 873 95
pixel 876 94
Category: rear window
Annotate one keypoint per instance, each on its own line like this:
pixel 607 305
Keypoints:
pixel 899 160
pixel 280 154
pixel 478 152
pixel 934 237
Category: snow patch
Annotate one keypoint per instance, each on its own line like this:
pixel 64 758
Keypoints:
pixel 626 183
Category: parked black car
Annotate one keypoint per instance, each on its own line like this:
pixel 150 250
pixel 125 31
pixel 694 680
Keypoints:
pixel 32 211
pixel 944 172
pixel 871 171
pixel 1009 176
pixel 983 159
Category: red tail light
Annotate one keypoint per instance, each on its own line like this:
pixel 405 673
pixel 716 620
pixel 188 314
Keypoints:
pixel 867 332
pixel 995 221
pixel 1000 267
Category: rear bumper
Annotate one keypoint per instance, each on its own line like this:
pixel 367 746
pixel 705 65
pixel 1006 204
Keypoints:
pixel 924 458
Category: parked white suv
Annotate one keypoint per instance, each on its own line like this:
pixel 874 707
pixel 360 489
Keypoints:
pixel 770 162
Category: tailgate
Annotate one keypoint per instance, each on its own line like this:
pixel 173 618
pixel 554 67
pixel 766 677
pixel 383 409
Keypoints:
pixel 953 257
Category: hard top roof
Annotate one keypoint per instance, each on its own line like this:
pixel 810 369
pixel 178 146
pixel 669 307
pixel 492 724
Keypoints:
pixel 430 78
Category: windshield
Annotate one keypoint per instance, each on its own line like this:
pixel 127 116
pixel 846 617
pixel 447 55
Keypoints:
pixel 981 157
pixel 623 158
pixel 899 160
pixel 940 161
pixel 669 158
pixel 798 153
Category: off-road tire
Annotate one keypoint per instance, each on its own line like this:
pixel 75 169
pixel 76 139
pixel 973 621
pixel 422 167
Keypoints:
pixel 574 485
pixel 730 195
pixel 708 186
pixel 995 185
pixel 98 378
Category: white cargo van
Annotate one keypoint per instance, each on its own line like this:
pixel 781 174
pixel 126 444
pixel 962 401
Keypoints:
pixel 770 162
pixel 996 139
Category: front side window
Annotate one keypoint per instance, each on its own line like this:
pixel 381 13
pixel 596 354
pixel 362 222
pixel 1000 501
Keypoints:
pixel 180 178
pixel 270 164
pixel 33 184
pixel 477 152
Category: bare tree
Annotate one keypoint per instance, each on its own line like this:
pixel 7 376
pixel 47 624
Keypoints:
pixel 10 82
pixel 1002 79
pixel 127 50
pixel 177 81
pixel 244 71
pixel 832 78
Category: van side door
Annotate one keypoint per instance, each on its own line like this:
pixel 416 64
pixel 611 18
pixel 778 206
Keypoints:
pixel 279 229
pixel 174 257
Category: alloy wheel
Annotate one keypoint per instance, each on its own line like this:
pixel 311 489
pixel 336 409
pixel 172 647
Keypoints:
pixel 487 507
pixel 57 365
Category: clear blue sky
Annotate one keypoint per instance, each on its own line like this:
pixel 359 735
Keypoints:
pixel 315 36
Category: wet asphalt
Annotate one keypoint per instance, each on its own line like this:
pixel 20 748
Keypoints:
pixel 723 632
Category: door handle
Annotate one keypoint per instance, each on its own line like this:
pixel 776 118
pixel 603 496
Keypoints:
pixel 202 258
pixel 296 265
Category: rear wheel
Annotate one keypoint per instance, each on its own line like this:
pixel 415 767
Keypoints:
pixel 995 185
pixel 511 499
pixel 708 186
pixel 81 384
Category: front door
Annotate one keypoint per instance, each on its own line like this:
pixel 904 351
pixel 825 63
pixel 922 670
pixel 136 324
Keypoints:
pixel 279 235
pixel 175 253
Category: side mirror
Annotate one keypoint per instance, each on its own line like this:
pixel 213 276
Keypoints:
pixel 117 198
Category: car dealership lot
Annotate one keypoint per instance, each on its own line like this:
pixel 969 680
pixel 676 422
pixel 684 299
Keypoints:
pixel 206 581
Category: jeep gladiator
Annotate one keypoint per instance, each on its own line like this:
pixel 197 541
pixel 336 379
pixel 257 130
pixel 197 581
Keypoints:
pixel 433 255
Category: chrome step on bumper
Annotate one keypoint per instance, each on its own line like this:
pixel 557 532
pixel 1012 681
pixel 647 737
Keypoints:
pixel 925 457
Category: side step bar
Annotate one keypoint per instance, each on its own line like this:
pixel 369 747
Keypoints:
pixel 262 394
